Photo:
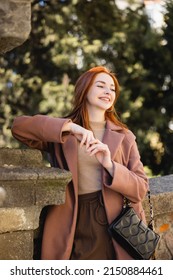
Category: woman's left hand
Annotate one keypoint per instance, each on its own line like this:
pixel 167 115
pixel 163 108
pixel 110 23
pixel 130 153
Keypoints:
pixel 102 154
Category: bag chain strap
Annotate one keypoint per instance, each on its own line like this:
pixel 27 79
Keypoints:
pixel 127 203
pixel 151 222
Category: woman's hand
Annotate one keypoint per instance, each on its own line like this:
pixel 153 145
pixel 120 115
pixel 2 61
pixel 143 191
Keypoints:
pixel 102 153
pixel 85 136
pixel 94 147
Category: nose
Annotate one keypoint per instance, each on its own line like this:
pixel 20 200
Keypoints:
pixel 107 90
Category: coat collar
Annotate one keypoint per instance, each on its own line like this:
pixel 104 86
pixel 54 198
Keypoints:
pixel 113 137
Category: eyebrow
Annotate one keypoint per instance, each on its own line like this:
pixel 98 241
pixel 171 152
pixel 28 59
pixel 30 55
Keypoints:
pixel 104 83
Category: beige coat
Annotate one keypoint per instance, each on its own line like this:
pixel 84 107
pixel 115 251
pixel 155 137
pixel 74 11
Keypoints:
pixel 129 178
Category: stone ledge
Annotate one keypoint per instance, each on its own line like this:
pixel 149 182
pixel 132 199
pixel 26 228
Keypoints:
pixel 160 184
pixel 19 157
pixel 161 197
pixel 11 173
pixel 33 186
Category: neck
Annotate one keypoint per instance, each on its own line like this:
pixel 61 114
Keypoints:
pixel 96 115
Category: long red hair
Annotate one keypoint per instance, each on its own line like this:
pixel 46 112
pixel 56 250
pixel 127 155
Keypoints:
pixel 79 112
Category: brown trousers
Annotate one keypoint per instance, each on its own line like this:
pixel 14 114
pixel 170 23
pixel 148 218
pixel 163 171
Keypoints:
pixel 92 240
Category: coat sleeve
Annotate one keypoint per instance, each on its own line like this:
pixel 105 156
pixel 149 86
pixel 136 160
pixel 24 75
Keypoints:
pixel 36 131
pixel 130 179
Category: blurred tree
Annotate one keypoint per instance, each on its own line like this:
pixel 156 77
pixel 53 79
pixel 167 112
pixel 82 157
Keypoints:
pixel 67 38
pixel 165 130
pixel 155 133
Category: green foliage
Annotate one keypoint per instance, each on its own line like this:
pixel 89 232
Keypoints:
pixel 67 38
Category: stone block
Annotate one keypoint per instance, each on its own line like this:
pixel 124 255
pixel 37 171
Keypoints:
pixel 16 245
pixel 23 158
pixel 162 202
pixel 19 219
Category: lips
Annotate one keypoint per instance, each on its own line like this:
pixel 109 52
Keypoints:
pixel 107 99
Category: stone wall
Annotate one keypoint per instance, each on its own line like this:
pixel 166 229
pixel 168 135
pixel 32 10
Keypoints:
pixel 30 187
pixel 162 200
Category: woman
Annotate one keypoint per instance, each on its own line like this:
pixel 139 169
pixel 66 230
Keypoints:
pixel 103 157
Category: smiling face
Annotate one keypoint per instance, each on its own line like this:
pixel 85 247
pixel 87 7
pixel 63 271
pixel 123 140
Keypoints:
pixel 101 94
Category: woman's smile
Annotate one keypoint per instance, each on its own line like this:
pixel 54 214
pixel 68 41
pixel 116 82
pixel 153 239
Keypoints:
pixel 105 99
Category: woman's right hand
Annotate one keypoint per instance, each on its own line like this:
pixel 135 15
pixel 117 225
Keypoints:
pixel 85 136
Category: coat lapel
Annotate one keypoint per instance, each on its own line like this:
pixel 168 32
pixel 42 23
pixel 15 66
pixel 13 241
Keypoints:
pixel 113 138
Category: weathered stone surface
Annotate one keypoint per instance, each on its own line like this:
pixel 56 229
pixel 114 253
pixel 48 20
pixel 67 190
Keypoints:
pixel 161 188
pixel 19 219
pixel 33 186
pixel 30 188
pixel 23 158
pixel 19 194
pixel 162 201
pixel 16 245
pixel 164 226
pixel 169 244
pixel 15 23
pixel 2 196
pixel 158 184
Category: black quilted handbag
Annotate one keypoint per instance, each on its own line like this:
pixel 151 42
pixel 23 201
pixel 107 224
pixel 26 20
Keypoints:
pixel 138 239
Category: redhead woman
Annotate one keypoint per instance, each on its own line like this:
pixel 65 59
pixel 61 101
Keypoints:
pixel 103 157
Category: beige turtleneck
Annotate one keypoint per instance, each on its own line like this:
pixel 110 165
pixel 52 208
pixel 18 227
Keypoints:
pixel 89 169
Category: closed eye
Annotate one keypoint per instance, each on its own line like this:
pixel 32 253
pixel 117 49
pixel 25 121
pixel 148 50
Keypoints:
pixel 101 84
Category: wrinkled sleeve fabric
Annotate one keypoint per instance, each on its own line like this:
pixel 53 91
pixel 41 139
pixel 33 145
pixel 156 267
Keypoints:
pixel 130 179
pixel 36 131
